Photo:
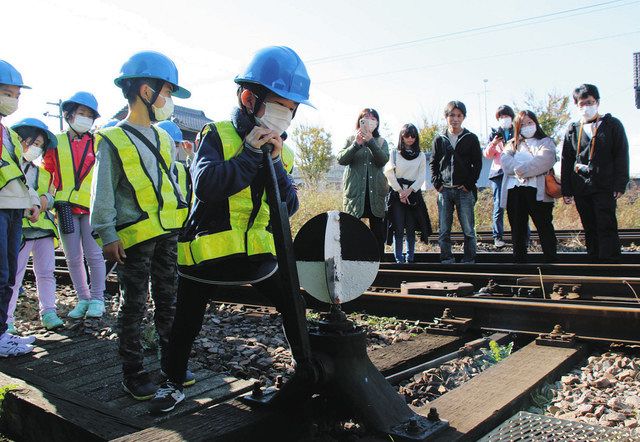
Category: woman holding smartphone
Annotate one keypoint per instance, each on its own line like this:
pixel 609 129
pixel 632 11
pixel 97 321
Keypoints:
pixel 365 185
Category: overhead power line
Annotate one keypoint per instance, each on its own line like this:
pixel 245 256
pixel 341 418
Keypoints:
pixel 486 57
pixel 489 28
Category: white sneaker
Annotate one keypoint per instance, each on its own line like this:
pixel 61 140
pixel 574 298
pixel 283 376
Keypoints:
pixel 20 339
pixel 499 243
pixel 10 347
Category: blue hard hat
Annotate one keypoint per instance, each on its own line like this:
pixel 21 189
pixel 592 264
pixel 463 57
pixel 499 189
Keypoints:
pixel 151 64
pixel 173 130
pixel 84 98
pixel 279 69
pixel 10 75
pixel 52 141
pixel 110 123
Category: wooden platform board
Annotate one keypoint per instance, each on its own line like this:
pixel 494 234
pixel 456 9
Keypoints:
pixel 479 405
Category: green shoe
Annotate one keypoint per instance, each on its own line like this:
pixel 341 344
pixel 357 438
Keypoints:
pixel 50 321
pixel 96 309
pixel 80 309
pixel 11 328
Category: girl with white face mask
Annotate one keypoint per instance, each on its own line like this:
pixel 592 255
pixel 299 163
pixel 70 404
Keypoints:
pixel 526 160
pixel 365 185
pixel 497 139
pixel 41 236
pixel 71 166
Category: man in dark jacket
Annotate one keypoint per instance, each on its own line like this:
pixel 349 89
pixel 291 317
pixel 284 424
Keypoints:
pixel 456 161
pixel 595 172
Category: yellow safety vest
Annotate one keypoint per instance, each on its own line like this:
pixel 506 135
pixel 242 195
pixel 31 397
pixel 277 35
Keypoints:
pixel 163 210
pixel 287 157
pixel 10 160
pixel 183 180
pixel 45 222
pixel 246 236
pixel 78 194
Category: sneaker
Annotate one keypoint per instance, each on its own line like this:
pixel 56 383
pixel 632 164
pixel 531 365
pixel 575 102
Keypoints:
pixel 11 328
pixel 50 320
pixel 79 310
pixel 139 386
pixel 18 339
pixel 189 378
pixel 167 397
pixel 499 243
pixel 96 308
pixel 13 347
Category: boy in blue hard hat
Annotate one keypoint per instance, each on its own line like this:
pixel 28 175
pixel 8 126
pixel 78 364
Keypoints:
pixel 71 166
pixel 227 239
pixel 137 209
pixel 16 200
pixel 40 237
pixel 180 171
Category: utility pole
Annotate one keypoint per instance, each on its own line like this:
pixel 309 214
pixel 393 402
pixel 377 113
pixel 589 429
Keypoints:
pixel 486 121
pixel 58 115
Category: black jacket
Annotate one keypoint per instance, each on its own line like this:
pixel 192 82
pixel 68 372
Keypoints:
pixel 608 170
pixel 467 161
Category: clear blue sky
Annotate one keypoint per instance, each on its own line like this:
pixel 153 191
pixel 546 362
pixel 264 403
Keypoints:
pixel 64 46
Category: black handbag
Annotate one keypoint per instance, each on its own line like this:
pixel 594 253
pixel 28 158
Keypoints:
pixel 65 217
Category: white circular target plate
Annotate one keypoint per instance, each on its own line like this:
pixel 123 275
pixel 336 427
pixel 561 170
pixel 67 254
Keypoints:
pixel 336 256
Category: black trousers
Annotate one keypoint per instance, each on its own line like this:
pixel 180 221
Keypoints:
pixel 598 215
pixel 522 204
pixel 192 301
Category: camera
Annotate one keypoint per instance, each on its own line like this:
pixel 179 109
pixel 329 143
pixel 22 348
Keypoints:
pixel 582 170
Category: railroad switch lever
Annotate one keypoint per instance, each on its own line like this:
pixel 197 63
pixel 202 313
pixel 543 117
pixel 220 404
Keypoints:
pixel 337 260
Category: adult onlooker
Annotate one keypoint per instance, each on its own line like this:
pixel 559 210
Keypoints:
pixel 595 172
pixel 456 161
pixel 406 172
pixel 365 186
pixel 497 139
pixel 526 160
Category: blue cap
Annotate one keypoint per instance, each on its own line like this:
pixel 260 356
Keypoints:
pixel 279 69
pixel 10 75
pixel 84 98
pixel 34 122
pixel 173 130
pixel 151 64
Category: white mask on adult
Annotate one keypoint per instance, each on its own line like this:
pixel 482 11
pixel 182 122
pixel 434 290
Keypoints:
pixel 588 112
pixel 81 124
pixel 505 122
pixel 32 153
pixel 164 112
pixel 276 117
pixel 8 105
pixel 528 131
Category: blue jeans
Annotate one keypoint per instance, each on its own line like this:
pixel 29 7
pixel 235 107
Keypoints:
pixel 10 236
pixel 403 219
pixel 463 202
pixel 497 225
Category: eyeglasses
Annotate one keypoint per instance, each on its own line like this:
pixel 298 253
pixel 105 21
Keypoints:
pixel 408 136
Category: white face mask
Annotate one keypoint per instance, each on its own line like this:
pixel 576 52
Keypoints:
pixel 370 124
pixel 505 122
pixel 588 112
pixel 164 112
pixel 81 124
pixel 8 105
pixel 528 131
pixel 32 153
pixel 276 117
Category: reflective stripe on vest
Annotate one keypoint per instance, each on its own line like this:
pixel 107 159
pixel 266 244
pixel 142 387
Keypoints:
pixel 246 236
pixel 68 192
pixel 9 162
pixel 181 170
pixel 45 222
pixel 162 211
pixel 287 157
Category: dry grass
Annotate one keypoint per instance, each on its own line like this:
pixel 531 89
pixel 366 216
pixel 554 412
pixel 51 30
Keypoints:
pixel 313 202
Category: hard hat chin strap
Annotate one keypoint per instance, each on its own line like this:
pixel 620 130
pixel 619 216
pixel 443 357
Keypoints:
pixel 149 104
